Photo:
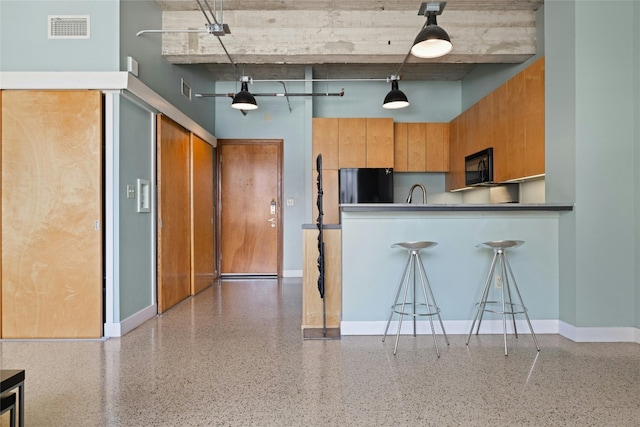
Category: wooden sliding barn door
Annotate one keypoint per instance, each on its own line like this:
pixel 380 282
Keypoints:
pixel 250 181
pixel 202 223
pixel 174 242
pixel 52 214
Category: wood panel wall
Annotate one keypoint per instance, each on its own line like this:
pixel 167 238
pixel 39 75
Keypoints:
pixel 202 219
pixel 52 214
pixel 311 301
pixel 174 218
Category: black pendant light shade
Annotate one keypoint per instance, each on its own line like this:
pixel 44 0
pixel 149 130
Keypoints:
pixel 395 98
pixel 432 41
pixel 244 100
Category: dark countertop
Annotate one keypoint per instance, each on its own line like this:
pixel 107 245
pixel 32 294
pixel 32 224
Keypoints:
pixel 403 207
pixel 324 226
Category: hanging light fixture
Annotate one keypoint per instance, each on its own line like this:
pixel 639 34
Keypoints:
pixel 432 41
pixel 243 99
pixel 395 98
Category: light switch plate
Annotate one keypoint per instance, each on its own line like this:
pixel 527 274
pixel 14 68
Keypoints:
pixel 144 195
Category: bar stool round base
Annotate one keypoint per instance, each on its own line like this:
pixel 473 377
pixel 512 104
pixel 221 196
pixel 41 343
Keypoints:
pixel 414 303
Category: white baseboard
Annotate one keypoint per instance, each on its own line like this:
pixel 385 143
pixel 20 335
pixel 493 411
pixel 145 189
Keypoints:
pixel 599 334
pixel 115 330
pixel 292 273
pixel 461 327
pixel 453 327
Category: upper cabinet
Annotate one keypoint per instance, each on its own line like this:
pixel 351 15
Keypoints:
pixel 365 143
pixel 511 120
pixel 353 142
pixel 421 147
pixel 348 143
pixel 379 143
pixel 325 142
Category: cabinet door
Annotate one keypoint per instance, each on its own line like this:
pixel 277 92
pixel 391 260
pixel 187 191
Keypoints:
pixel 499 125
pixel 400 147
pixel 380 143
pixel 52 216
pixel 455 178
pixel 352 150
pixel 437 147
pixel 516 105
pixel 534 118
pixel 325 142
pixel 312 304
pixel 416 147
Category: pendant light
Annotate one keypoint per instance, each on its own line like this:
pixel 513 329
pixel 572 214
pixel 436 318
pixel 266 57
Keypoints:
pixel 433 41
pixel 395 98
pixel 243 99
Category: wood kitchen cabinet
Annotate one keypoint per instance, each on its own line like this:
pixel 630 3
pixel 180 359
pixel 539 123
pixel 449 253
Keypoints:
pixel 330 196
pixel 365 143
pixel 499 128
pixel 348 143
pixel 437 143
pixel 325 142
pixel 421 147
pixel 379 143
pixel 352 143
pixel 312 312
pixel 534 119
pixel 511 120
pixel 455 178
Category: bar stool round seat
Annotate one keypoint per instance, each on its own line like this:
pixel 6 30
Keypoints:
pixel 508 300
pixel 415 301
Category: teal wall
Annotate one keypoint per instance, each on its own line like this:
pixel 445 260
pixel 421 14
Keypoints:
pixel 24 45
pixel 456 267
pixel 485 78
pixel 592 104
pixel 161 76
pixel 430 101
pixel 134 147
pixel 592 135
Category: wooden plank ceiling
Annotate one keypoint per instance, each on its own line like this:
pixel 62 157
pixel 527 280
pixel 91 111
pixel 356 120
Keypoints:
pixel 345 38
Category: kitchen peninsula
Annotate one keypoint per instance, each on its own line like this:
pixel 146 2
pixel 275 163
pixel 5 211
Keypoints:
pixel 456 267
pixel 370 269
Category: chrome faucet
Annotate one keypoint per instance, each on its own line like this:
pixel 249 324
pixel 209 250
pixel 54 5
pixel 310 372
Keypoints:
pixel 424 193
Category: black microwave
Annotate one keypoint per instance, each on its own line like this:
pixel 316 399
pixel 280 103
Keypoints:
pixel 478 168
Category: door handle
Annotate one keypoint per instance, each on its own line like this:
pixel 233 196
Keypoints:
pixel 271 220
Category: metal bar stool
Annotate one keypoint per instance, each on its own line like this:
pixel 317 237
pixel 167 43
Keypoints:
pixel 410 304
pixel 8 403
pixel 503 282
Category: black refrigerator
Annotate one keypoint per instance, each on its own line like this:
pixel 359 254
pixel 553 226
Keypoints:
pixel 366 185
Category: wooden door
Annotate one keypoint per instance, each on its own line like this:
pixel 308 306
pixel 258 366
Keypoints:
pixel 52 214
pixel 250 182
pixel 174 229
pixel 202 207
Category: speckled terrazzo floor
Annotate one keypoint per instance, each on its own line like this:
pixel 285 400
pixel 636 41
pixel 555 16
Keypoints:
pixel 234 356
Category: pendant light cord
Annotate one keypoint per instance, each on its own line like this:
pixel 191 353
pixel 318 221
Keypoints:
pixel 406 57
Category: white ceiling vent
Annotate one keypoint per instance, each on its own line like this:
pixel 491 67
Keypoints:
pixel 69 26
